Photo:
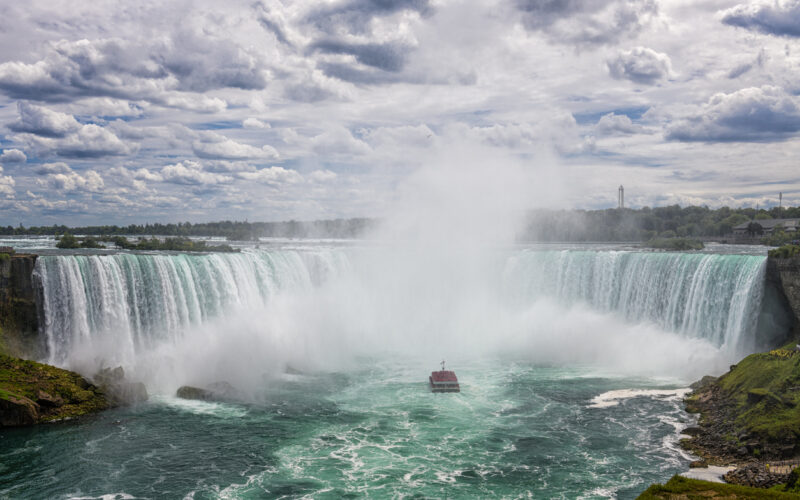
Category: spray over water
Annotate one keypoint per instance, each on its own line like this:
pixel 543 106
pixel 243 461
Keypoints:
pixel 440 278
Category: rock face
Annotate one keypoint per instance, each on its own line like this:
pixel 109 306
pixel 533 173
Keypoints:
pixel 19 299
pixel 32 393
pixel 120 391
pixel 784 275
pixel 218 391
pixel 755 475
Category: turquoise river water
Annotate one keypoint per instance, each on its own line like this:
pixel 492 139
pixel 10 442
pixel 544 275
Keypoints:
pixel 572 363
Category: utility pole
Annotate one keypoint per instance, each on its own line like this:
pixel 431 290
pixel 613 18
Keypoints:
pixel 780 205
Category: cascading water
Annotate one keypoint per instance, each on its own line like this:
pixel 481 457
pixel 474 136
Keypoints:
pixel 132 301
pixel 709 296
pixel 123 304
pixel 572 366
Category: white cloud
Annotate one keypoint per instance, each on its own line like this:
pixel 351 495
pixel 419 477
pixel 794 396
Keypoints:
pixel 191 172
pixel 7 184
pixel 255 123
pixel 52 168
pixel 42 121
pixel 13 156
pixel 273 175
pixel 780 17
pixel 612 124
pixel 215 146
pixel 753 114
pixel 640 65
pixel 72 181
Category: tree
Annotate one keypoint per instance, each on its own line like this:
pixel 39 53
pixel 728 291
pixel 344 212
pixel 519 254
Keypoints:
pixel 68 241
pixel 754 228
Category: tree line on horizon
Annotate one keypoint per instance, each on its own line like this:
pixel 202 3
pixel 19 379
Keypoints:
pixel 642 224
pixel 612 224
pixel 232 230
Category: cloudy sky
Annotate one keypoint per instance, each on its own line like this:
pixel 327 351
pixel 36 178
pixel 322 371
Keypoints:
pixel 119 112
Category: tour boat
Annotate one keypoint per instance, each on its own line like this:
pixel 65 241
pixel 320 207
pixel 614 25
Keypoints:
pixel 444 381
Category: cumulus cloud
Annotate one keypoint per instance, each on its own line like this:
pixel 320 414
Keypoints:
pixel 613 124
pixel 7 184
pixel 255 123
pixel 273 175
pixel 640 65
pixel 135 178
pixel 587 22
pixel 49 131
pixel 13 156
pixel 780 18
pixel 146 69
pixel 192 173
pixel 753 114
pixel 52 168
pixel 61 177
pixel 215 146
pixel 44 122
pixel 384 56
pixel 338 141
pixel 356 15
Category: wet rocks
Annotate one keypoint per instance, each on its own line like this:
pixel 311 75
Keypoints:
pixel 17 410
pixel 119 390
pixel 755 475
pixel 32 393
pixel 218 391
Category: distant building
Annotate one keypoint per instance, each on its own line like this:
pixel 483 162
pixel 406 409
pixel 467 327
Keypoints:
pixel 769 226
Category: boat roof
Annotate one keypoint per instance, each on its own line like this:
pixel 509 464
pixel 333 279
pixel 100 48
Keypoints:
pixel 444 376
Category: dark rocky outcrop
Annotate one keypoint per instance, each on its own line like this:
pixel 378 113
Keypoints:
pixel 755 475
pixel 118 389
pixel 218 391
pixel 32 393
pixel 19 302
pixel 786 273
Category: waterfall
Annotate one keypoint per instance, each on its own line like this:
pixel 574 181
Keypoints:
pixel 132 301
pixel 112 308
pixel 709 296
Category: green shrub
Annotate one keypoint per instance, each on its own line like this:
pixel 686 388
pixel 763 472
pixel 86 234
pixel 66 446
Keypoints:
pixel 785 252
pixel 68 241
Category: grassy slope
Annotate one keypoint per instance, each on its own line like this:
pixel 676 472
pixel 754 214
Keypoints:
pixel 26 378
pixel 683 488
pixel 765 389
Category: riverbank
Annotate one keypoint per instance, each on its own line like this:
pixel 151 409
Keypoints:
pixel 749 419
pixel 33 393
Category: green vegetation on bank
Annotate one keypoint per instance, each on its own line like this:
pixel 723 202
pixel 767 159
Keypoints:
pixel 680 487
pixel 764 390
pixel 785 252
pixel 69 241
pixel 674 244
pixel 33 392
pixel 170 244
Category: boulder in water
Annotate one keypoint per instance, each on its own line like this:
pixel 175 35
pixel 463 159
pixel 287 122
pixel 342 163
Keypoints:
pixel 218 391
pixel 17 410
pixel 120 392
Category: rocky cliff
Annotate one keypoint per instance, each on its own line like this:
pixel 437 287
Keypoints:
pixel 785 274
pixel 19 299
